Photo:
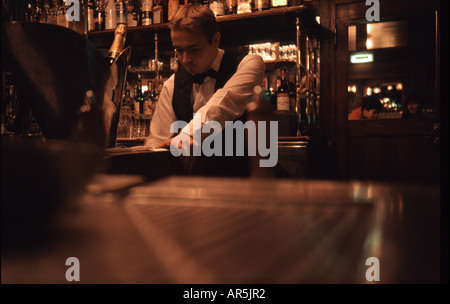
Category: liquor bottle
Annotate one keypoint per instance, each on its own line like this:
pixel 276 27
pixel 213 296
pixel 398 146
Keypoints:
pixel 292 91
pixel 91 25
pixel 279 3
pixel 172 8
pixel 137 13
pixel 231 7
pixel 131 7
pixel 61 17
pixel 110 15
pixel 99 15
pixel 124 128
pixel 146 12
pixel 218 7
pixel 121 12
pixel 139 98
pixel 158 12
pixel 154 97
pixel 262 5
pixel 120 35
pixel 267 96
pixel 244 6
pixel 283 101
pixel 148 99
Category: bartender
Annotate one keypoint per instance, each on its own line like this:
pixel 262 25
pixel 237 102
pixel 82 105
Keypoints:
pixel 214 84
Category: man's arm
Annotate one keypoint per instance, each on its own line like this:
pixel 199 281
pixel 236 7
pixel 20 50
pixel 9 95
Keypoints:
pixel 229 103
pixel 162 117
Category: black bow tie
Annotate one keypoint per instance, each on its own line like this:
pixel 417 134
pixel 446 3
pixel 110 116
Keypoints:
pixel 198 78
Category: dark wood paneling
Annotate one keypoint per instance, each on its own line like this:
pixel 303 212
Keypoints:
pixel 391 127
pixel 394 159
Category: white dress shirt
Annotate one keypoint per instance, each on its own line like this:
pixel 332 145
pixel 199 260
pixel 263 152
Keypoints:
pixel 226 104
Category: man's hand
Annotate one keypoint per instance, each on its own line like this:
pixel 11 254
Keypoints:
pixel 185 144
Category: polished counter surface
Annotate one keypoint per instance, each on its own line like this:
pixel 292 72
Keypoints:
pixel 185 229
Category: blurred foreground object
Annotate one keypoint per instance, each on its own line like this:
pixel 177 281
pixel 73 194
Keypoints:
pixel 75 95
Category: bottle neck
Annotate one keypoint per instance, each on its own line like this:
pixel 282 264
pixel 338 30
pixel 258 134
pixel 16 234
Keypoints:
pixel 119 42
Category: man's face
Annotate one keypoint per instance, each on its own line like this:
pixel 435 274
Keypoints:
pixel 370 114
pixel 194 51
pixel 413 107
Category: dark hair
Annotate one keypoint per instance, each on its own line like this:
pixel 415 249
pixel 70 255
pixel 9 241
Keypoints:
pixel 371 102
pixel 195 17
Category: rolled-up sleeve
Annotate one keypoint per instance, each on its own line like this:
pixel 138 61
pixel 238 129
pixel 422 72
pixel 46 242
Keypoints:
pixel 163 116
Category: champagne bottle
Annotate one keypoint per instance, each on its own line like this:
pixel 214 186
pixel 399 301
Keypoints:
pixel 283 94
pixel 118 43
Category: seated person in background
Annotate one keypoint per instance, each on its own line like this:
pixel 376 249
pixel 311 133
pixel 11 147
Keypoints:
pixel 413 109
pixel 369 109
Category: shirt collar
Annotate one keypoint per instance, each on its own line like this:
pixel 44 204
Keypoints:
pixel 216 63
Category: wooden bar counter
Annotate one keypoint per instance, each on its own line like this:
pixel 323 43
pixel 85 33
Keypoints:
pixel 194 229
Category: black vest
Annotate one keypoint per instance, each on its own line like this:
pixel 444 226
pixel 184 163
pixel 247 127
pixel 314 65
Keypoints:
pixel 181 101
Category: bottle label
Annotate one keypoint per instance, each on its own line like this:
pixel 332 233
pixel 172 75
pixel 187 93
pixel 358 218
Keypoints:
pixel 283 102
